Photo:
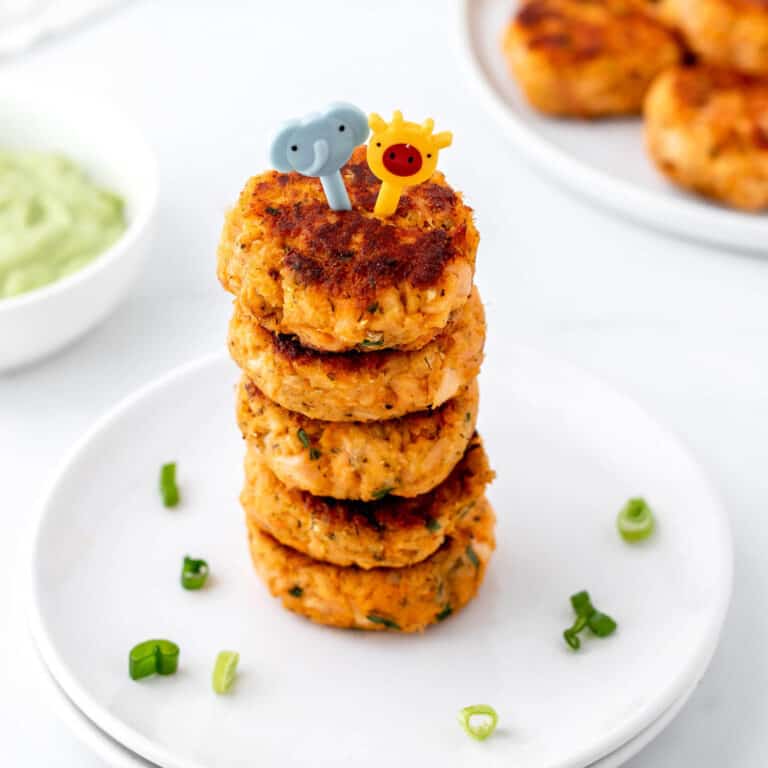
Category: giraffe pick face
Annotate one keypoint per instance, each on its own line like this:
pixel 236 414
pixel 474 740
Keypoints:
pixel 402 154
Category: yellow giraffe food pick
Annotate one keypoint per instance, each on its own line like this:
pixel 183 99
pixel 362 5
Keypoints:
pixel 402 154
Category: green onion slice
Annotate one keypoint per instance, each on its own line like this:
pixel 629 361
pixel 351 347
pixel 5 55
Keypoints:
pixel 194 573
pixel 224 671
pixel 152 657
pixel 601 624
pixel 482 730
pixel 168 488
pixel 380 493
pixel 587 616
pixel 635 520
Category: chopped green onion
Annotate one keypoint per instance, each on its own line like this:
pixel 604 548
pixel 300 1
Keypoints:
pixel 272 211
pixel 472 555
pixel 468 416
pixel 480 731
pixel 194 573
pixel 373 307
pixel 224 671
pixel 314 454
pixel 371 343
pixel 153 657
pixel 635 520
pixel 385 622
pixel 296 591
pixel 582 604
pixel 168 488
pixel 444 614
pixel 572 639
pixel 600 624
pixel 380 493
pixel 431 524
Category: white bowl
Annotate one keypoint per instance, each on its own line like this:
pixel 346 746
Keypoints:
pixel 115 155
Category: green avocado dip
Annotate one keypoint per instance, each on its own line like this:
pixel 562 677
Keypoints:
pixel 53 219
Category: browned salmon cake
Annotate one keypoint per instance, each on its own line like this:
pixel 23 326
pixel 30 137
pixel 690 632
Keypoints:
pixel 352 386
pixel 341 280
pixel 392 531
pixel 729 33
pixel 707 130
pixel 354 460
pixel 401 599
pixel 587 58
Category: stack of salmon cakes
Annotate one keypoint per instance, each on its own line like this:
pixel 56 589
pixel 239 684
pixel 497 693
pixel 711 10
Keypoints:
pixel 360 340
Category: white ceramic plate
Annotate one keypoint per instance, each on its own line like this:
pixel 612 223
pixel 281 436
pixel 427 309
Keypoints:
pixel 603 160
pixel 568 452
pixel 117 756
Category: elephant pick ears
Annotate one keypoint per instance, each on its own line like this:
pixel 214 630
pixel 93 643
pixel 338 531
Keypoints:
pixel 401 153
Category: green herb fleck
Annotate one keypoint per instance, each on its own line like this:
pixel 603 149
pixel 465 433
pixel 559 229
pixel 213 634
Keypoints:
pixel 444 614
pixel 431 524
pixel 296 591
pixel 472 555
pixel 303 437
pixel 272 211
pixel 372 308
pixel 385 622
pixel 468 417
pixel 314 454
pixel 371 343
pixel 385 490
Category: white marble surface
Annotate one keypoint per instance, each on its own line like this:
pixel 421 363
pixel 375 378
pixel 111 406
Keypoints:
pixel 682 328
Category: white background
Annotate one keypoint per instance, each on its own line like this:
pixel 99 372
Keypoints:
pixel 682 327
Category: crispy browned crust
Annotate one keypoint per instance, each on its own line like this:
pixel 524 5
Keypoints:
pixel 342 279
pixel 728 33
pixel 587 59
pixel 404 599
pixel 352 386
pixel 707 130
pixel 353 460
pixel 392 531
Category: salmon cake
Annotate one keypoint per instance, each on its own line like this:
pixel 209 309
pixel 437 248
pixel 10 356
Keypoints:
pixel 401 599
pixel 355 460
pixel 728 33
pixel 707 130
pixel 354 386
pixel 346 280
pixel 581 58
pixel 391 531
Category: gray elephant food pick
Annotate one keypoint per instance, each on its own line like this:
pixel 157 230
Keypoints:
pixel 319 144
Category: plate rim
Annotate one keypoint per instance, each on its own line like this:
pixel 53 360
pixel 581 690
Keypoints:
pixel 686 218
pixel 137 742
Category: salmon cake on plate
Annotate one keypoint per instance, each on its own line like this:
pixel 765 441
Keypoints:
pixel 581 58
pixel 398 599
pixel 349 280
pixel 706 129
pixel 355 460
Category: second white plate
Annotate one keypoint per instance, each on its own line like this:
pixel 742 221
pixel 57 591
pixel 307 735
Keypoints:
pixel 568 452
pixel 604 160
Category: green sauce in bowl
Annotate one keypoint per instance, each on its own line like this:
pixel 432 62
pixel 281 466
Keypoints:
pixel 53 220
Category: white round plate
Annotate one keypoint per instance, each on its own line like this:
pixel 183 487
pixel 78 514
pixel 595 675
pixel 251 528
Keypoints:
pixel 568 451
pixel 604 160
pixel 117 756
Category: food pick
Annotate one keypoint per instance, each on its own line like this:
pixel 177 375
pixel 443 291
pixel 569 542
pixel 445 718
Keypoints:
pixel 402 154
